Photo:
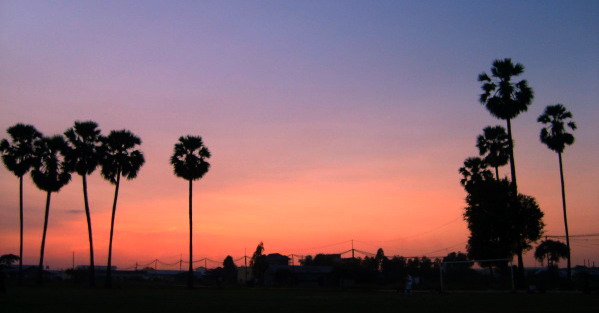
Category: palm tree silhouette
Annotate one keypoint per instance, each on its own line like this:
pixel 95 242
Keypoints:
pixel 83 157
pixel 18 158
pixel 120 158
pixel 554 135
pixel 50 173
pixel 505 99
pixel 493 145
pixel 189 160
pixel 473 171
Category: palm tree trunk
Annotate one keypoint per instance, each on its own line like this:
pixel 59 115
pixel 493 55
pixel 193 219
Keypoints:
pixel 190 274
pixel 515 186
pixel 116 195
pixel 40 277
pixel 497 172
pixel 20 274
pixel 561 175
pixel 92 275
pixel 511 149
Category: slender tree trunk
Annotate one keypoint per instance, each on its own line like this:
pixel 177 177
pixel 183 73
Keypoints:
pixel 497 172
pixel 561 175
pixel 515 186
pixel 511 150
pixel 40 277
pixel 116 195
pixel 92 274
pixel 190 274
pixel 20 274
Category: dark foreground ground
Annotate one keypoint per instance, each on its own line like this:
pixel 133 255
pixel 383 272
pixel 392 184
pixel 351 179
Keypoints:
pixel 171 299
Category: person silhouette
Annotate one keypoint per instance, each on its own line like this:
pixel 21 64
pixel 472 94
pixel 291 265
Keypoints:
pixel 409 284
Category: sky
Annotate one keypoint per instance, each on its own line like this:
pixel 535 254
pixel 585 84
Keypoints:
pixel 328 121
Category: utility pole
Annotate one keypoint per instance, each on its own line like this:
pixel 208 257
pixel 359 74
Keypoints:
pixel 245 263
pixel 73 259
pixel 180 261
pixel 292 260
pixel 155 265
pixel 352 249
pixel 205 264
pixel 136 266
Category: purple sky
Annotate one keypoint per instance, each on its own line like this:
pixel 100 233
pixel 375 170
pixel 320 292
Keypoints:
pixel 375 98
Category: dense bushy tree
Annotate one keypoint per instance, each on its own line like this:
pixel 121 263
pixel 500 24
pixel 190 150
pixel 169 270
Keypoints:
pixel 500 223
pixel 229 269
pixel 552 251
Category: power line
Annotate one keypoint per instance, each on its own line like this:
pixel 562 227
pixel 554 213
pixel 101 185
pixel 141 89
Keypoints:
pixel 424 232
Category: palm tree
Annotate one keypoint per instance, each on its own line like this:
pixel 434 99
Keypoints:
pixel 554 135
pixel 50 173
pixel 18 158
pixel 505 99
pixel 493 145
pixel 120 158
pixel 84 155
pixel 473 171
pixel 189 160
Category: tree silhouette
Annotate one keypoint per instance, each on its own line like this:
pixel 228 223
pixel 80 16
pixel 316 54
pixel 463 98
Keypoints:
pixel 120 159
pixel 50 173
pixel 556 119
pixel 85 153
pixel 500 223
pixel 18 158
pixel 493 144
pixel 229 269
pixel 258 263
pixel 505 100
pixel 551 251
pixel 474 171
pixel 189 161
pixel 380 259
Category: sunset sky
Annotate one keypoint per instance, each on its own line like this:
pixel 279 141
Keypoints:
pixel 327 120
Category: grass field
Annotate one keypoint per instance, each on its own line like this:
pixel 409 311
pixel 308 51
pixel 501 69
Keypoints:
pixel 64 298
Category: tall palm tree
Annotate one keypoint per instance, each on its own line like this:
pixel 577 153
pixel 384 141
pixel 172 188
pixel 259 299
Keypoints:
pixel 84 155
pixel 505 100
pixel 50 173
pixel 18 158
pixel 190 162
pixel 493 145
pixel 556 119
pixel 120 159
